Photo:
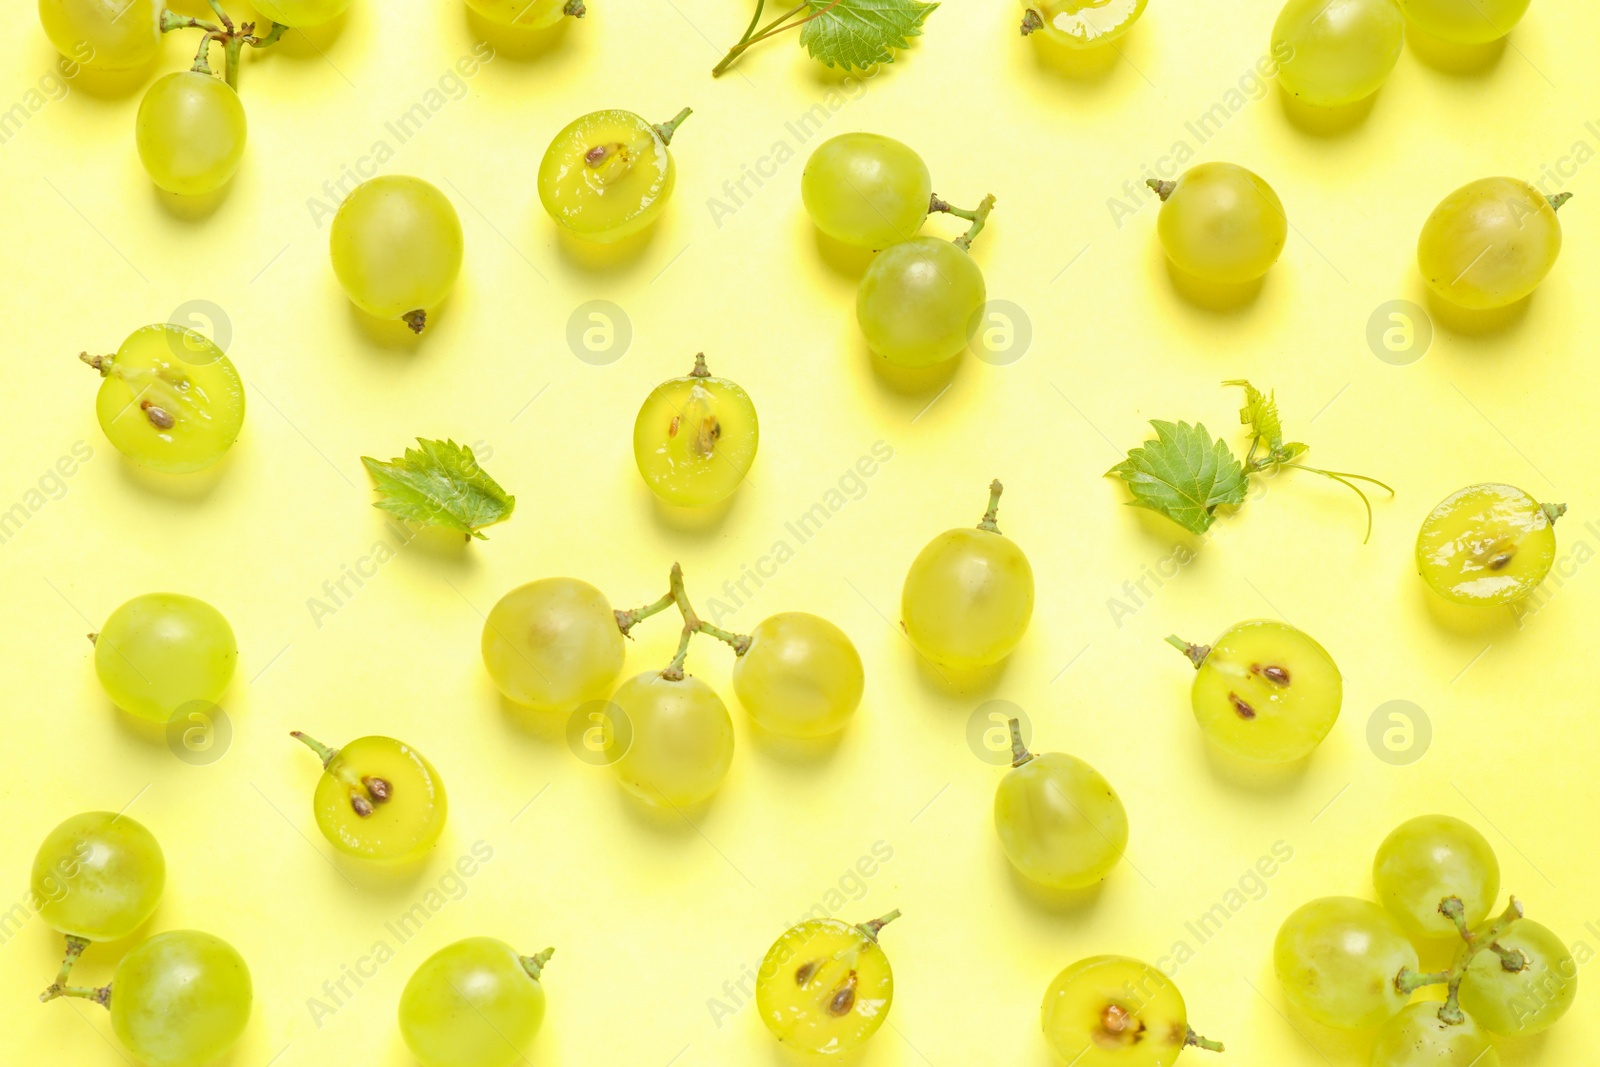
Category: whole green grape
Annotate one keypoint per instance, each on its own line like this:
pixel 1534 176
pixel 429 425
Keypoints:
pixel 682 739
pixel 1221 223
pixel 1490 243
pixel 1429 859
pixel 968 596
pixel 525 14
pixel 866 190
pixel 98 876
pixel 180 999
pixel 397 247
pixel 1527 1000
pixel 1082 23
pixel 1417 1037
pixel 161 651
pixel 1060 822
pixel 1337 959
pixel 919 301
pixel 825 987
pixel 1113 1011
pixel 1487 544
pixel 553 644
pixel 695 438
pixel 800 676
pixel 169 399
pixel 474 1003
pixel 299 13
pixel 190 132
pixel 1466 22
pixel 378 798
pixel 1340 51
pixel 104 34
pixel 608 174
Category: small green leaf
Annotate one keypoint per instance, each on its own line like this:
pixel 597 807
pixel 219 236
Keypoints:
pixel 857 34
pixel 439 483
pixel 1183 474
pixel 1260 413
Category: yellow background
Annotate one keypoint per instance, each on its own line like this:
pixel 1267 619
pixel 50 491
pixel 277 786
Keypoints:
pixel 650 917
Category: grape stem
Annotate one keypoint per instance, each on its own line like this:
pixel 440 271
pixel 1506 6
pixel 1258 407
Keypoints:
pixel 694 624
pixel 789 20
pixel 1202 1042
pixel 1019 750
pixel 875 927
pixel 979 216
pixel 1161 188
pixel 233 39
pixel 990 518
pixel 1553 511
pixel 575 9
pixel 101 996
pixel 1558 200
pixel 534 965
pixel 1032 22
pixel 75 947
pixel 1450 1013
pixel 665 130
pixel 324 753
pixel 1197 653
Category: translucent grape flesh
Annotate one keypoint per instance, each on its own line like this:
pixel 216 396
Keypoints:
pixel 1112 1011
pixel 606 176
pixel 824 987
pixel 471 1004
pixel 399 827
pixel 695 439
pixel 99 876
pixel 159 652
pixel 1486 544
pixel 1087 23
pixel 1267 692
pixel 866 190
pixel 968 598
pixel 191 132
pixel 170 401
pixel 553 644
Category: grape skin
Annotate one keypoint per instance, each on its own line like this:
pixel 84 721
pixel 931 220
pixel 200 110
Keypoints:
pixel 622 192
pixel 522 14
pixel 170 400
pixel 1112 1011
pixel 695 439
pixel 474 1003
pixel 866 190
pixel 1341 51
pixel 104 34
pixel 1086 23
pixel 1489 244
pixel 396 829
pixel 553 644
pixel 809 971
pixel 1486 544
pixel 397 247
pixel 191 133
pixel 1222 223
pixel 180 999
pixel 919 301
pixel 1468 22
pixel 1429 859
pixel 967 599
pixel 100 876
pixel 1417 1037
pixel 1337 959
pixel 801 676
pixel 1244 711
pixel 1525 1002
pixel 159 652
pixel 1060 822
pixel 682 739
pixel 300 13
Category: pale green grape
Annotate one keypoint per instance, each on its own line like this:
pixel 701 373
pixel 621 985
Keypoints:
pixel 1340 51
pixel 1060 822
pixel 608 174
pixel 1465 21
pixel 968 596
pixel 553 644
pixel 1266 692
pixel 190 132
pixel 1084 23
pixel 1112 1011
pixel 180 999
pixel 474 1003
pixel 104 34
pixel 1417 1037
pixel 1221 223
pixel 525 14
pixel 397 248
pixel 1429 859
pixel 825 986
pixel 300 12
pixel 161 651
pixel 98 876
pixel 377 798
pixel 1526 1001
pixel 1490 243
pixel 866 190
pixel 682 739
pixel 170 399
pixel 695 438
pixel 918 302
pixel 800 677
pixel 1487 544
pixel 1337 959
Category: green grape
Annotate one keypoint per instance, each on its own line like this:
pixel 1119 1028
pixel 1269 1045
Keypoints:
pixel 969 595
pixel 1465 21
pixel 682 739
pixel 180 999
pixel 378 798
pixel 526 14
pixel 608 174
pixel 1082 23
pixel 161 651
pixel 1524 1001
pixel 1112 1011
pixel 104 34
pixel 1338 958
pixel 1490 243
pixel 190 132
pixel 695 438
pixel 1487 544
pixel 1264 691
pixel 170 399
pixel 300 12
pixel 474 1003
pixel 1429 859
pixel 397 248
pixel 1340 51
pixel 553 644
pixel 98 876
pixel 1417 1037
pixel 800 676
pixel 1221 223
pixel 1060 822
pixel 866 190
pixel 825 986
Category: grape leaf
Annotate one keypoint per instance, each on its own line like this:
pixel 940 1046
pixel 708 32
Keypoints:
pixel 857 34
pixel 439 483
pixel 1183 474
